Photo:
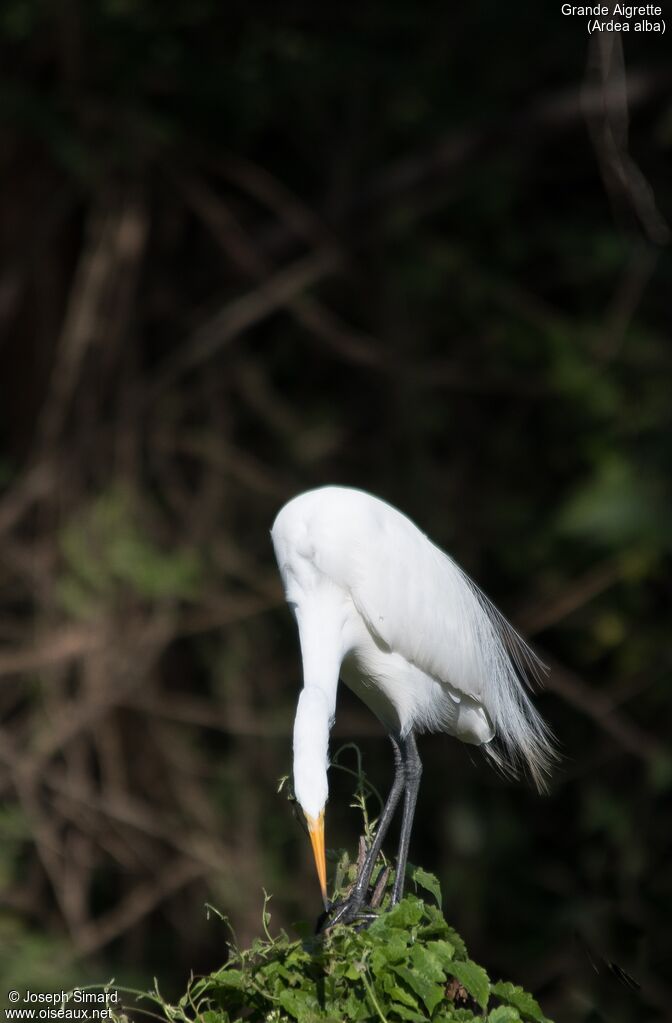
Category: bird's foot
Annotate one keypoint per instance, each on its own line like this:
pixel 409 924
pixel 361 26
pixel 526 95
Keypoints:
pixel 359 908
pixel 352 910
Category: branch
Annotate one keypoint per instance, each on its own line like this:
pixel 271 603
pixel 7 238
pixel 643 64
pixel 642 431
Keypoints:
pixel 605 106
pixel 577 593
pixel 603 711
pixel 50 650
pixel 116 234
pixel 244 312
pixel 136 905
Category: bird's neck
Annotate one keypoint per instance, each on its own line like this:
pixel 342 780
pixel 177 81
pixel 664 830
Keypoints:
pixel 311 750
pixel 322 632
pixel 322 621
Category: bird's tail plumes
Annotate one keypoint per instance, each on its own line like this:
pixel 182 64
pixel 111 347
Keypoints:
pixel 507 665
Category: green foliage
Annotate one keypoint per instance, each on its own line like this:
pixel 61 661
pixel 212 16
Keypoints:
pixel 618 506
pixel 31 958
pixel 408 965
pixel 14 835
pixel 108 551
pixel 429 883
pixel 519 1000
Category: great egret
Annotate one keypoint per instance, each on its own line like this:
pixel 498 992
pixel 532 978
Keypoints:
pixel 380 606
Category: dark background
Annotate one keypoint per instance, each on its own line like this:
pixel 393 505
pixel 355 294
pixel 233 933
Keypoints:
pixel 252 248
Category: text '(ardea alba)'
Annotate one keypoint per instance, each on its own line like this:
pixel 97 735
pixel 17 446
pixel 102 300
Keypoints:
pixel 380 606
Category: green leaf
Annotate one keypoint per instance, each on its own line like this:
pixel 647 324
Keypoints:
pixel 353 971
pixel 428 963
pixel 430 884
pixel 430 993
pixel 473 978
pixel 504 1014
pixel 391 949
pixel 436 927
pixel 410 1014
pixel 443 950
pixel 302 1005
pixel 353 1007
pixel 230 978
pixel 400 994
pixel 456 941
pixel 457 1016
pixel 513 995
pixel 407 913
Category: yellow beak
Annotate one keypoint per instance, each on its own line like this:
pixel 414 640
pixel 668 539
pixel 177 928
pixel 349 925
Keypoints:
pixel 316 832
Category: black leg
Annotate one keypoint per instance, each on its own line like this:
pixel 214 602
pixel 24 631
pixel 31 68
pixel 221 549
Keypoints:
pixel 412 772
pixel 346 911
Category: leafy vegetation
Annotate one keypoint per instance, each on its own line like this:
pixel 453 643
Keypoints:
pixel 110 555
pixel 407 966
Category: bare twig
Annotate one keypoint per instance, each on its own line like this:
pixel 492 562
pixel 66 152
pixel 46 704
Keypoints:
pixel 575 594
pixel 116 234
pixel 62 645
pixel 626 297
pixel 241 465
pixel 601 709
pixel 30 487
pixel 270 192
pixel 608 121
pixel 351 344
pixel 202 847
pixel 136 905
pixel 50 850
pixel 244 312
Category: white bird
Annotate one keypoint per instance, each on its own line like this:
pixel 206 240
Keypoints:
pixel 380 606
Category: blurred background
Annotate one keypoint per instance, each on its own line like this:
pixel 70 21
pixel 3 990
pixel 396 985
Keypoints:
pixel 248 249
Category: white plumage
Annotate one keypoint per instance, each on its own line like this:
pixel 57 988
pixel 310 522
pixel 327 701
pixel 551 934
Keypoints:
pixel 379 605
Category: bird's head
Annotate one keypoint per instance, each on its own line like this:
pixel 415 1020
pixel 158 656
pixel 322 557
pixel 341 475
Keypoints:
pixel 311 743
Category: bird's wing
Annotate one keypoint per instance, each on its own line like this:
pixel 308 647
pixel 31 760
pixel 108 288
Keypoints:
pixel 417 602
